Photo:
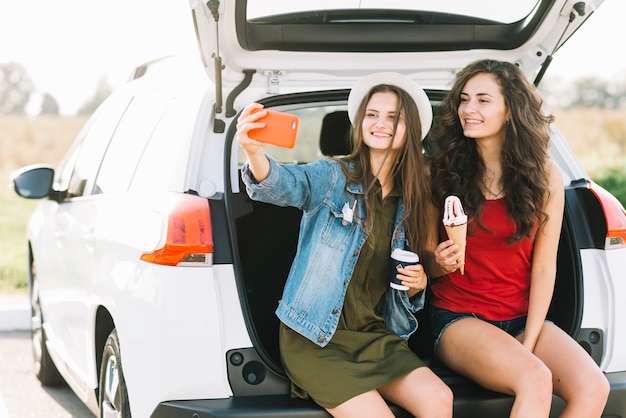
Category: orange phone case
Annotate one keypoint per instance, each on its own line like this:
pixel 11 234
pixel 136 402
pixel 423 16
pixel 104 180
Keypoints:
pixel 280 129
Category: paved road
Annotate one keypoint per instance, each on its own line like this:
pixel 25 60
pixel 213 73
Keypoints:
pixel 21 394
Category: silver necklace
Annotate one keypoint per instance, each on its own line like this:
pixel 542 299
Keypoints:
pixel 493 195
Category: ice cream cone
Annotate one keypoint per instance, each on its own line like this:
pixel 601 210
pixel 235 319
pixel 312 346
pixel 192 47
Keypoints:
pixel 455 222
pixel 458 234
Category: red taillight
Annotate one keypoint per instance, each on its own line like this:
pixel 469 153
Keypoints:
pixel 189 237
pixel 615 216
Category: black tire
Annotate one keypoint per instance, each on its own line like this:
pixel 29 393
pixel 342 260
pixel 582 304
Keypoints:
pixel 44 367
pixel 113 396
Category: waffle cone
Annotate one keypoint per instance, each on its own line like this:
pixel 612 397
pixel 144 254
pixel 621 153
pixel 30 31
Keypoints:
pixel 458 234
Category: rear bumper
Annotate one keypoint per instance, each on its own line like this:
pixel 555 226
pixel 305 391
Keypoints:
pixel 469 401
pixel 616 405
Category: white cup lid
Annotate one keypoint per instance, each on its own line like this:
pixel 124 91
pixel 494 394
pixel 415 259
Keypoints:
pixel 404 255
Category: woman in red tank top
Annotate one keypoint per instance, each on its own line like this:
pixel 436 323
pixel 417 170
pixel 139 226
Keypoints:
pixel 489 321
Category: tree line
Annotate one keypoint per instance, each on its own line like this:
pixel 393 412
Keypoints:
pixel 17 93
pixel 585 92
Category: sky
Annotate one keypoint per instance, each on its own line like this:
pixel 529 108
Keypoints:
pixel 68 46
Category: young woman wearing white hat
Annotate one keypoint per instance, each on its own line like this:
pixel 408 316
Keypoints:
pixel 344 331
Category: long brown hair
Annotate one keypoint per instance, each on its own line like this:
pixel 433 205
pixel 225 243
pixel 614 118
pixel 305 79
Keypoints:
pixel 409 168
pixel 457 167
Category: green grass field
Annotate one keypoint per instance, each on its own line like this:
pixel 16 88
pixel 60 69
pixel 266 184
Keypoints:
pixel 14 213
pixel 25 140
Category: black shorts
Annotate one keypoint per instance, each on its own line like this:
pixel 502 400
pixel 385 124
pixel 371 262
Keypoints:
pixel 440 319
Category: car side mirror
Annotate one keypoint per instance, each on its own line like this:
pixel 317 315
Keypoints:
pixel 33 181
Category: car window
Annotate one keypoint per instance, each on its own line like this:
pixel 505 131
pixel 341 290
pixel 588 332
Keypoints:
pixel 494 10
pixel 168 156
pixel 94 143
pixel 307 146
pixel 63 173
pixel 129 141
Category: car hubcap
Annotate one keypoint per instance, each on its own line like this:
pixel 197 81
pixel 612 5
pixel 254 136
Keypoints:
pixel 111 402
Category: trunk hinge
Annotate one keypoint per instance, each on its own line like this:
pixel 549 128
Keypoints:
pixel 218 125
pixel 273 81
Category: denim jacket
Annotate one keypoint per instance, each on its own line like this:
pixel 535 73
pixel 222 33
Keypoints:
pixel 328 249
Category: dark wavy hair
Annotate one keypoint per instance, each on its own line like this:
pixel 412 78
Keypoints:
pixel 409 168
pixel 457 168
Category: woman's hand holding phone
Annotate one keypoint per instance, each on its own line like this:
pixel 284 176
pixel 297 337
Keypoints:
pixel 280 128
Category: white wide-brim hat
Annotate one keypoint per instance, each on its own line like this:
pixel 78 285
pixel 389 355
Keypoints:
pixel 364 85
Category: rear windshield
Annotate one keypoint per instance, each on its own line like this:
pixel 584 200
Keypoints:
pixel 353 10
pixel 386 25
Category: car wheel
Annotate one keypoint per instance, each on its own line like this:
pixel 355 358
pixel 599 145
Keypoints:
pixel 113 397
pixel 44 367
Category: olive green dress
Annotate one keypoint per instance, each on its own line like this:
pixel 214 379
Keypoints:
pixel 362 354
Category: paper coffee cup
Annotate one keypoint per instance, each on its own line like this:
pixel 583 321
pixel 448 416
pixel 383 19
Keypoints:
pixel 401 258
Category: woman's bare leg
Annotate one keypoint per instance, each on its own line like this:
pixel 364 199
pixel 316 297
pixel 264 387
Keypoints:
pixel 421 393
pixel 499 362
pixel 367 405
pixel 575 376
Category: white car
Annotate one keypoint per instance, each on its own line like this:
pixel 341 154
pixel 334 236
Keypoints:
pixel 154 278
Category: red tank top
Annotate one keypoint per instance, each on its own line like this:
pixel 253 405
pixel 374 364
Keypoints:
pixel 497 274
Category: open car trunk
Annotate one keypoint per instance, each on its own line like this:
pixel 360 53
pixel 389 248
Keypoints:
pixel 266 239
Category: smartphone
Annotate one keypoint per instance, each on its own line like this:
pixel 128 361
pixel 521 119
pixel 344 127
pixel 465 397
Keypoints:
pixel 280 129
